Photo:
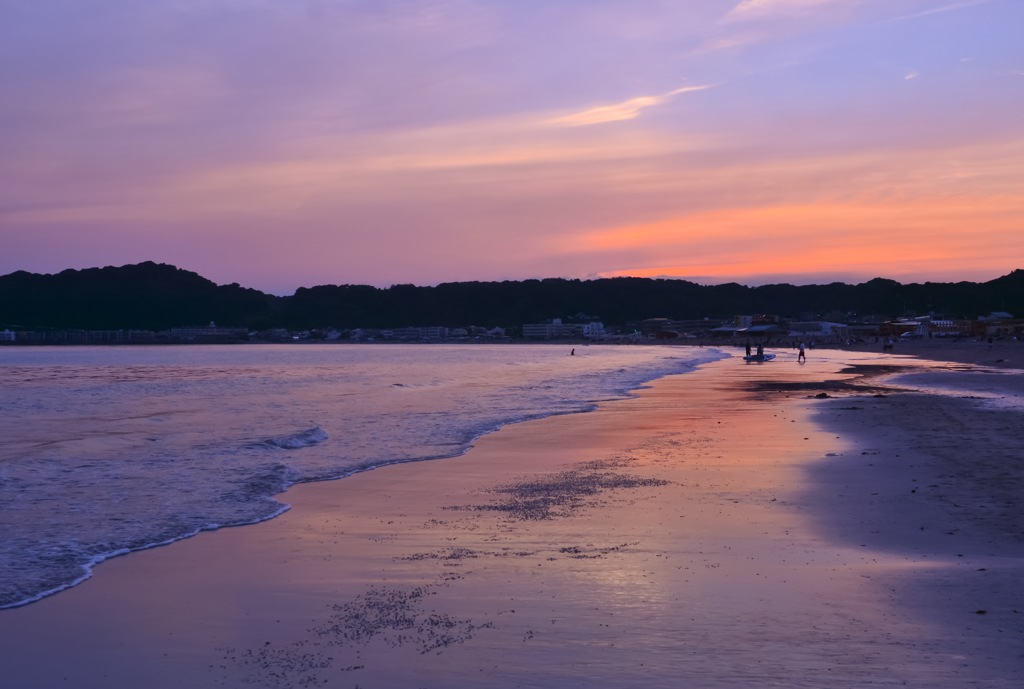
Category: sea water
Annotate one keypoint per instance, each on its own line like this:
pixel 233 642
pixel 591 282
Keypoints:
pixel 106 450
pixel 989 388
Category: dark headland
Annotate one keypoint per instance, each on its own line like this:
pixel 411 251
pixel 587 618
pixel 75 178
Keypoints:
pixel 154 297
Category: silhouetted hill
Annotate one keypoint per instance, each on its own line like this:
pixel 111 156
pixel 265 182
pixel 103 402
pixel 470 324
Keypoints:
pixel 157 296
pixel 144 296
pixel 618 300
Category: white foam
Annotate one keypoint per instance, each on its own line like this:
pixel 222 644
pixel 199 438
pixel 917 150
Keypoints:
pixel 307 438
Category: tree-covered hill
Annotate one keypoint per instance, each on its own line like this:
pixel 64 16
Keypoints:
pixel 618 300
pixel 143 296
pixel 157 296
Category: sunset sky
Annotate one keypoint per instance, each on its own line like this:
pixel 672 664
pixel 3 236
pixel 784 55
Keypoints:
pixel 289 143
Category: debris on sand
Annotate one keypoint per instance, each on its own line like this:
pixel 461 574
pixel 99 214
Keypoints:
pixel 396 616
pixel 393 616
pixel 560 494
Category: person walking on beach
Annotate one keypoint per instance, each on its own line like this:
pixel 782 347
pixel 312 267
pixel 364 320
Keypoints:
pixel 802 356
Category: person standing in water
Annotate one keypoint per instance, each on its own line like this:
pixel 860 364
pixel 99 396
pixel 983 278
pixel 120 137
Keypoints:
pixel 802 356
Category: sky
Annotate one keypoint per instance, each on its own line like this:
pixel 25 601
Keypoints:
pixel 290 143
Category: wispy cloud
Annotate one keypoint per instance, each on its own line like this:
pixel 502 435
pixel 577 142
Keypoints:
pixel 750 9
pixel 722 43
pixel 951 7
pixel 626 110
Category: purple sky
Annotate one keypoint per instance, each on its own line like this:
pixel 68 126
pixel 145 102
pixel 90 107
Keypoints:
pixel 288 143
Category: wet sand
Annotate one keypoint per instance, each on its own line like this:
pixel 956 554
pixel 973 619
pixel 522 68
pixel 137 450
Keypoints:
pixel 729 527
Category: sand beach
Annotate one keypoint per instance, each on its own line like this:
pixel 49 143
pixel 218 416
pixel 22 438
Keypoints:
pixel 848 522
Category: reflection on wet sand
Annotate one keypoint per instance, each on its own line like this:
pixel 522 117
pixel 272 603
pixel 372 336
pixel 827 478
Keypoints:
pixel 706 533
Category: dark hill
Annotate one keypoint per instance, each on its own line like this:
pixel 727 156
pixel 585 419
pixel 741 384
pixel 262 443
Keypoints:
pixel 143 296
pixel 157 296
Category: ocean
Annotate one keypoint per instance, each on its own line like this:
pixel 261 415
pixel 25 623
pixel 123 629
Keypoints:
pixel 107 450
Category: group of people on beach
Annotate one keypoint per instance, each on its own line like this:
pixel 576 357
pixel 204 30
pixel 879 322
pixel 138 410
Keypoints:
pixel 800 357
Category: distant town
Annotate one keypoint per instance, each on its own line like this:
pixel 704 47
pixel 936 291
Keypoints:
pixel 759 328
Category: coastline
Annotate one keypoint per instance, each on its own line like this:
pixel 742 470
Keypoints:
pixel 683 535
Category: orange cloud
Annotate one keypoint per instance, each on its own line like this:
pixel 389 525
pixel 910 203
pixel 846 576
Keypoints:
pixel 891 239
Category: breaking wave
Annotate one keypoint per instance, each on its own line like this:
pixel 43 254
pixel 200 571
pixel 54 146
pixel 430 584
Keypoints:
pixel 297 441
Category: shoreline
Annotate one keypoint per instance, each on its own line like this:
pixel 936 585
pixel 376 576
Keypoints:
pixel 622 391
pixel 595 549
